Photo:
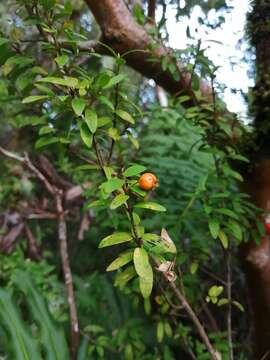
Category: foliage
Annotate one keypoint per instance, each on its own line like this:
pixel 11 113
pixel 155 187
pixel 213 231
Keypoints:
pixel 100 131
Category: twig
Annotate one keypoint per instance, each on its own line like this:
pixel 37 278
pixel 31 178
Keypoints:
pixel 116 101
pixel 25 160
pixel 213 276
pixel 62 236
pixel 172 305
pixel 209 315
pixel 151 10
pixel 196 322
pixel 33 248
pixel 229 296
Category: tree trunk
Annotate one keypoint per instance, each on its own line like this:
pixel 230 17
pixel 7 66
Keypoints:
pixel 257 180
pixel 256 259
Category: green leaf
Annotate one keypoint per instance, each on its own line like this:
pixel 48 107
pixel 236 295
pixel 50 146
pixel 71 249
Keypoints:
pixel 136 218
pixel 122 260
pixel 215 291
pixel 78 105
pixel 113 184
pixel 118 201
pixel 223 301
pixel 45 141
pixel 146 284
pixel 114 134
pixel 160 331
pixel 105 101
pixel 125 116
pixel 44 89
pixel 33 98
pixel 150 206
pixel 236 229
pixel 66 81
pixel 103 121
pixel 108 172
pixel 52 339
pixel 46 130
pixel 138 191
pixel 25 346
pixel 61 60
pixel 115 80
pixel 141 262
pixel 227 212
pixel 47 4
pixel 3 41
pixel 168 329
pixel 134 141
pixel 224 239
pixel 94 204
pixel 238 305
pixel 214 227
pixel 134 170
pixel 151 237
pixel 194 267
pixel 102 79
pixel 86 136
pixel 129 352
pixel 91 120
pixel 115 238
pixel 122 278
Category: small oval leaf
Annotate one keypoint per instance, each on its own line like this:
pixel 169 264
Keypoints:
pixel 134 170
pixel 151 206
pixel 115 238
pixel 91 120
pixel 118 201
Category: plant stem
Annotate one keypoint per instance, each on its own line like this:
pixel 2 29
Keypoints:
pixel 196 322
pixel 62 236
pixel 116 101
pixel 229 296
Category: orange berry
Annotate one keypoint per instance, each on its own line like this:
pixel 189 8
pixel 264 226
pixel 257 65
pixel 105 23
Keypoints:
pixel 148 181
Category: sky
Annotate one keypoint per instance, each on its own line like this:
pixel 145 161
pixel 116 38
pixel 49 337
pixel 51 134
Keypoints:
pixel 229 34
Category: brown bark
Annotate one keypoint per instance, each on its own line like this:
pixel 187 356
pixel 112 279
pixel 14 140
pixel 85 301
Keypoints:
pixel 123 34
pixel 151 10
pixel 257 181
pixel 62 237
pixel 256 258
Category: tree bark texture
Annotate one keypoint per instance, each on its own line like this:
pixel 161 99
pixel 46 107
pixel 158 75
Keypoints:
pixel 122 33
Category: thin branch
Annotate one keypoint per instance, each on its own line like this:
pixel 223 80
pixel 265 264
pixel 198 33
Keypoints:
pixel 62 236
pixel 25 160
pixel 33 248
pixel 152 10
pixel 229 296
pixel 196 322
pixel 209 315
pixel 11 155
pixel 44 215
